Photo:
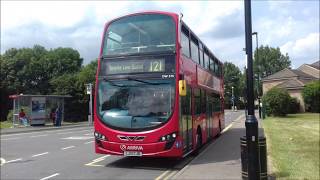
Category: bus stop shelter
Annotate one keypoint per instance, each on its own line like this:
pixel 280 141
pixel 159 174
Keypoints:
pixel 37 107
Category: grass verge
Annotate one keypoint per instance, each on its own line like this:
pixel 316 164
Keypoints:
pixel 5 124
pixel 293 145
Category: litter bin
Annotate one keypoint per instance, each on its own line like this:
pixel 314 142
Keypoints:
pixel 262 158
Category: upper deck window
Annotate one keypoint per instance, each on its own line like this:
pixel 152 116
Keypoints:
pixel 194 49
pixel 185 41
pixel 206 61
pixel 139 34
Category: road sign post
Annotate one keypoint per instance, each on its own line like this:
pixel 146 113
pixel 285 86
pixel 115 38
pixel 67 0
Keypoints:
pixel 89 91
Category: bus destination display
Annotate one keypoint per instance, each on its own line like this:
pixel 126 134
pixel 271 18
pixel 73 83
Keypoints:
pixel 135 66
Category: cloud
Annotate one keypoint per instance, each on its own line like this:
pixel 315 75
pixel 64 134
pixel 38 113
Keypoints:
pixel 219 24
pixel 80 24
pixel 51 13
pixel 224 28
pixel 303 50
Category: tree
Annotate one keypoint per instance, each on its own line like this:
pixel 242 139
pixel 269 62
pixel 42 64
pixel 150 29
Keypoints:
pixel 74 84
pixel 87 73
pixel 277 102
pixel 232 78
pixel 267 61
pixel 31 70
pixel 311 96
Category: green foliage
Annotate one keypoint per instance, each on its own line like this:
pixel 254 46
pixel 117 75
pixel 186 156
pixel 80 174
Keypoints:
pixel 232 78
pixel 311 96
pixel 10 116
pixel 277 102
pixel 5 124
pixel 40 71
pixel 294 105
pixel 267 61
pixel 87 73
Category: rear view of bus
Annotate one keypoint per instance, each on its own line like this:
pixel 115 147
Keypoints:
pixel 159 90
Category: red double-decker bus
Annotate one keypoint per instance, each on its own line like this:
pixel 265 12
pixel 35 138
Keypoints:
pixel 159 89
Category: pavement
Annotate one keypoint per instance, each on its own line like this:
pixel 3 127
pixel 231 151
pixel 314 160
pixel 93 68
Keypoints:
pixel 221 159
pixel 23 129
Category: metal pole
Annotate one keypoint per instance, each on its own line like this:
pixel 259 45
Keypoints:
pixel 232 100
pixel 14 111
pixel 89 91
pixel 251 121
pixel 258 82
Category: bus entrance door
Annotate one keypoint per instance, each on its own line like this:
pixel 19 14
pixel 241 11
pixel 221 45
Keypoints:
pixel 186 120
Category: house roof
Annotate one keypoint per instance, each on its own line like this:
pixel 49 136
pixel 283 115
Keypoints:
pixel 287 73
pixel 301 73
pixel 292 84
pixel 316 65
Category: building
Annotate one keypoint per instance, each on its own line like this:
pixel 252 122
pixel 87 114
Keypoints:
pixel 293 80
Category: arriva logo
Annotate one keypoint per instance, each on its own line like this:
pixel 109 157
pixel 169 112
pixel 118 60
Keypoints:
pixel 123 147
pixel 131 148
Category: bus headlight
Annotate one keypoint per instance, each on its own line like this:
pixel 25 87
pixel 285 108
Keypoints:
pixel 169 137
pixel 100 136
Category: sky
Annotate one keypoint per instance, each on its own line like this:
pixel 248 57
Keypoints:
pixel 293 26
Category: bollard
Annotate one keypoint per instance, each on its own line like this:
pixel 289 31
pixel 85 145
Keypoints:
pixel 262 157
pixel 244 157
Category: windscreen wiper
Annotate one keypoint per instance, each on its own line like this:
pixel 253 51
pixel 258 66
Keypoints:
pixel 145 82
pixel 117 85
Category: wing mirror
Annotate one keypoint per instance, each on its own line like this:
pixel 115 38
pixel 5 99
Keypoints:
pixel 182 88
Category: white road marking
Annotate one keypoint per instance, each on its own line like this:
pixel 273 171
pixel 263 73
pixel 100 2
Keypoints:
pixel 169 176
pixel 53 132
pixel 39 135
pixel 227 128
pixel 40 154
pixel 11 138
pixel 231 124
pixel 162 175
pixel 2 160
pixel 78 137
pixel 86 130
pixel 15 160
pixel 67 147
pixel 88 142
pixel 48 177
pixel 65 132
pixel 97 160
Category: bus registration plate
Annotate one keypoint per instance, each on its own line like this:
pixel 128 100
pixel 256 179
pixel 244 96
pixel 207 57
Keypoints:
pixel 132 153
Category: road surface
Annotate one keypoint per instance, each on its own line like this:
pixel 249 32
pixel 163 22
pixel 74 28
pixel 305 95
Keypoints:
pixel 69 154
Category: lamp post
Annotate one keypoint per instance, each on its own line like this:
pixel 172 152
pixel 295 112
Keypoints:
pixel 89 91
pixel 232 99
pixel 251 123
pixel 258 82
